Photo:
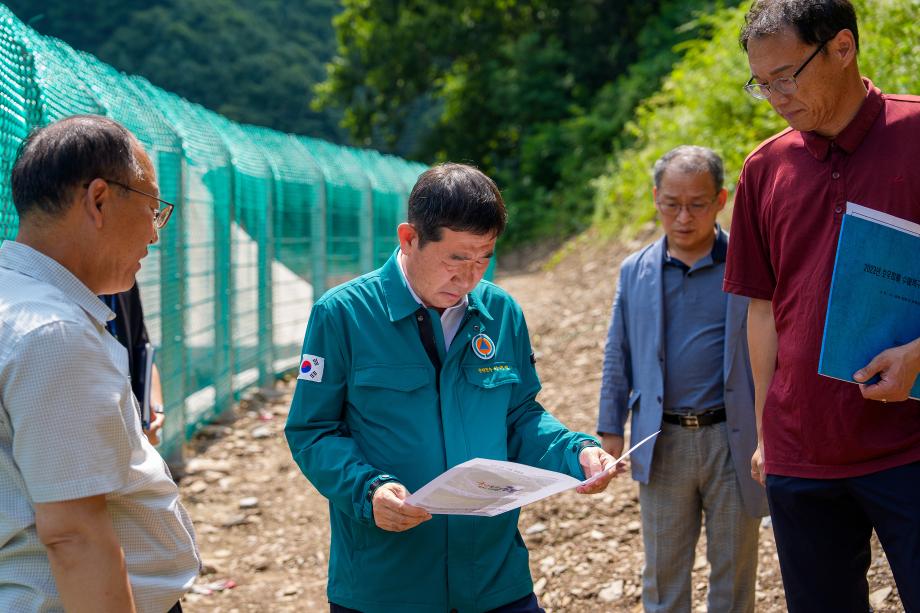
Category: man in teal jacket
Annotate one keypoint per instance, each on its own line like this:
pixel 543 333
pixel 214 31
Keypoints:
pixel 408 371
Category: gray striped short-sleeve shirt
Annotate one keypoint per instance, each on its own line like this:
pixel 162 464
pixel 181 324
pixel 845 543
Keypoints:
pixel 69 429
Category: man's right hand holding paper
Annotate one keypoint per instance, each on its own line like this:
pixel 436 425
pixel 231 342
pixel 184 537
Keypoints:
pixel 392 513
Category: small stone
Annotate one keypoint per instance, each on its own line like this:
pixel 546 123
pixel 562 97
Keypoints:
pixel 261 432
pixel 879 596
pixel 235 520
pixel 223 553
pixel 539 586
pixel 634 526
pixel 250 502
pixel 197 487
pixel 200 465
pixel 214 431
pixel 597 535
pixel 612 592
pixel 536 528
pixel 699 563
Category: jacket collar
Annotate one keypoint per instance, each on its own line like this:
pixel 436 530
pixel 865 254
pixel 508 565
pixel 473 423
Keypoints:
pixel 718 253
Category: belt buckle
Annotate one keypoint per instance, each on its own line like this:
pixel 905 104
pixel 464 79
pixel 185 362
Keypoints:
pixel 690 421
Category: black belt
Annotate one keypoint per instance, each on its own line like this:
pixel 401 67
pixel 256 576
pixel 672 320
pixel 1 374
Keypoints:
pixel 709 418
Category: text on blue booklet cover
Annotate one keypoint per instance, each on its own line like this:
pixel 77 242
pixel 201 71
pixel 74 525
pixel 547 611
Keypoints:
pixel 874 302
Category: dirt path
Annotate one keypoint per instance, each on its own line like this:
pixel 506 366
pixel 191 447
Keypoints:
pixel 263 528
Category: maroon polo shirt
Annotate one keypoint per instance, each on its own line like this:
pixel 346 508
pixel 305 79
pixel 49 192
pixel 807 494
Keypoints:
pixel 789 203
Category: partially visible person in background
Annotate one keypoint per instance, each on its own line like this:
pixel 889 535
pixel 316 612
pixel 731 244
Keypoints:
pixel 128 328
pixel 676 359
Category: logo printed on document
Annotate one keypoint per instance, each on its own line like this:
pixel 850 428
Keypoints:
pixel 311 368
pixel 483 346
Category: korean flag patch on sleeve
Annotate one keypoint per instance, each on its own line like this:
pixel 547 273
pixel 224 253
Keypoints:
pixel 311 368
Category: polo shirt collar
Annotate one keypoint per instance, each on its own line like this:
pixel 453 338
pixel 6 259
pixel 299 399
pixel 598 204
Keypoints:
pixel 401 303
pixel 36 265
pixel 852 135
pixel 716 255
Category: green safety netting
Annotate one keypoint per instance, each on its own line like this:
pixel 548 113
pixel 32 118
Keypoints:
pixel 264 221
pixel 251 249
pixel 298 236
pixel 348 211
pixel 18 110
pixel 207 208
pixel 388 197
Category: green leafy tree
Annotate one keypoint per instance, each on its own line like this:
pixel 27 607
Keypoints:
pixel 535 92
pixel 255 61
pixel 702 102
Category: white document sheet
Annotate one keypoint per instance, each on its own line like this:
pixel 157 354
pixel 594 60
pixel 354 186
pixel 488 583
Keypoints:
pixel 490 487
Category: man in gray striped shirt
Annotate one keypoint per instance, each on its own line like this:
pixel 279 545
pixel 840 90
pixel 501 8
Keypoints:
pixel 89 517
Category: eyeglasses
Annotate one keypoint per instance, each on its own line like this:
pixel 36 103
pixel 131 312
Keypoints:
pixel 784 85
pixel 160 215
pixel 673 209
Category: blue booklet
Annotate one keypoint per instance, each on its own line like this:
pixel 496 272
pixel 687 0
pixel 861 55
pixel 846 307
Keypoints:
pixel 874 303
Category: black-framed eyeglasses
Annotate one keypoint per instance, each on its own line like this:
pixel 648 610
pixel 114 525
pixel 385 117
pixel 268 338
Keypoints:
pixel 784 85
pixel 673 209
pixel 160 215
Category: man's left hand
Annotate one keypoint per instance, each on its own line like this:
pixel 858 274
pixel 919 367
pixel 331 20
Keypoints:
pixel 595 460
pixel 897 369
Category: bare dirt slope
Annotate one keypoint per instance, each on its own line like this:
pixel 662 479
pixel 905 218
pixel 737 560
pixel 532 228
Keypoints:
pixel 263 529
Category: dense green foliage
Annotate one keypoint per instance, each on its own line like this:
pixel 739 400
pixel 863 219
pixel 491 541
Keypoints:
pixel 701 102
pixel 255 61
pixel 536 93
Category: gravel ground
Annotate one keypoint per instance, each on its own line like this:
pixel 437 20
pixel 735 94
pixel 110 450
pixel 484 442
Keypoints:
pixel 263 529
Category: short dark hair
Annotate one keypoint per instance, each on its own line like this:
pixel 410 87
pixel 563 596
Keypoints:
pixel 815 21
pixel 691 159
pixel 56 158
pixel 458 197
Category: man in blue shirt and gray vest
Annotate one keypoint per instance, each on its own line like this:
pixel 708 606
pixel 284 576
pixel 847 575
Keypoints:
pixel 406 372
pixel 677 359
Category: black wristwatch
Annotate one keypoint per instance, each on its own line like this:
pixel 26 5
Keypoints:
pixel 376 483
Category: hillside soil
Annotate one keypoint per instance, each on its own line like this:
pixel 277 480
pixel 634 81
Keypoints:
pixel 263 529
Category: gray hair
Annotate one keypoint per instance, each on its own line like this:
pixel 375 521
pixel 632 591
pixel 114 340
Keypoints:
pixel 814 21
pixel 55 159
pixel 691 159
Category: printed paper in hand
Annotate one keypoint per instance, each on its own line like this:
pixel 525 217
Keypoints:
pixel 490 487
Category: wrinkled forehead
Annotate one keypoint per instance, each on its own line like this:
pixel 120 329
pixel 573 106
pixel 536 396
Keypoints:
pixel 464 243
pixel 771 54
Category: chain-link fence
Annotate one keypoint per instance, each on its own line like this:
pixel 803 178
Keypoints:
pixel 264 222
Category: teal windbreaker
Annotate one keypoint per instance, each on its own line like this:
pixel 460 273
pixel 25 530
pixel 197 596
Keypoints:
pixel 367 404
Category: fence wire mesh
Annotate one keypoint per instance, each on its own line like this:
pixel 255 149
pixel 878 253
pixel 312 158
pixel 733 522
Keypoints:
pixel 264 221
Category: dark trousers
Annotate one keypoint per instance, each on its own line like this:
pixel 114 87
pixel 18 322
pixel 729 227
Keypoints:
pixel 177 608
pixel 822 529
pixel 527 604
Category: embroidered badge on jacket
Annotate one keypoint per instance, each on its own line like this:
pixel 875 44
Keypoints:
pixel 483 346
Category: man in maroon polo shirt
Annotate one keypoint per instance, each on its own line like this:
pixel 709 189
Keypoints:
pixel 838 459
